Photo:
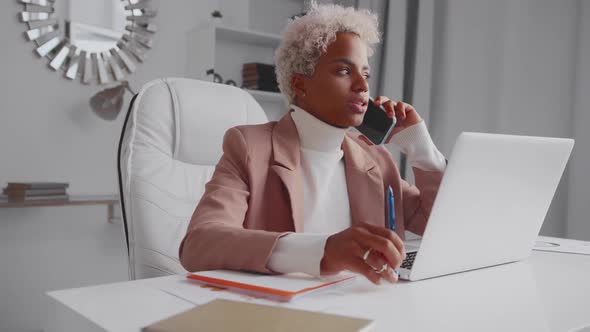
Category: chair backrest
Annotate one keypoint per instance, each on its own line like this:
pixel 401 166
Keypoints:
pixel 169 146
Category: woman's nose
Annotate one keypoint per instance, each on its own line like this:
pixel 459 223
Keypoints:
pixel 361 84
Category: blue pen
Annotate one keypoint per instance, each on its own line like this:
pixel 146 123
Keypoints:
pixel 391 212
pixel 390 209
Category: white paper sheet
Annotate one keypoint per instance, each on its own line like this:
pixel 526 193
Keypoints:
pixel 546 243
pixel 198 294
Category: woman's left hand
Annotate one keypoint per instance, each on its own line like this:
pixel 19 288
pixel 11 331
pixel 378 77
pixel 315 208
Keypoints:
pixel 405 114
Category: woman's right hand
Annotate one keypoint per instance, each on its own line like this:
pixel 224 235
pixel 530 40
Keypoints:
pixel 345 251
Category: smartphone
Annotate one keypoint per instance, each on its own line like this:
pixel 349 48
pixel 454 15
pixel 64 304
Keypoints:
pixel 376 124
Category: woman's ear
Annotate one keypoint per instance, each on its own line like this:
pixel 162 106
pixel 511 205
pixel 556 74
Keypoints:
pixel 298 85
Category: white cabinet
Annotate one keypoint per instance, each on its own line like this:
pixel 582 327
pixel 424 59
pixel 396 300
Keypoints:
pixel 226 49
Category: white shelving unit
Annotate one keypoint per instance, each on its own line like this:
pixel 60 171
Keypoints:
pixel 225 49
pixel 248 36
pixel 266 96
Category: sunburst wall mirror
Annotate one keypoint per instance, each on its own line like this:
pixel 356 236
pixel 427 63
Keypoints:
pixel 96 41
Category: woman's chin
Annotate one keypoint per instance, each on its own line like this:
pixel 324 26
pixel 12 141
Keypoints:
pixel 351 120
pixel 356 120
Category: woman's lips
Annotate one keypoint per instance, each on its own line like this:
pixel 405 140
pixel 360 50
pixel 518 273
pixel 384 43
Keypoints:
pixel 358 107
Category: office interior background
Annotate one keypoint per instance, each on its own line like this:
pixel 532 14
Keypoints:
pixel 499 66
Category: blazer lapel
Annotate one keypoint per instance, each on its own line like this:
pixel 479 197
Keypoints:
pixel 286 164
pixel 363 178
pixel 364 183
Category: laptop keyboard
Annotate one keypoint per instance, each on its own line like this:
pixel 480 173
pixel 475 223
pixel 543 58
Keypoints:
pixel 409 261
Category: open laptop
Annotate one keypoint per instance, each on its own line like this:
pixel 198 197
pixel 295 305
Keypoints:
pixel 491 203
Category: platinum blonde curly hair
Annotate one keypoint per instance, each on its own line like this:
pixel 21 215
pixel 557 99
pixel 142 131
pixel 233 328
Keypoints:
pixel 306 38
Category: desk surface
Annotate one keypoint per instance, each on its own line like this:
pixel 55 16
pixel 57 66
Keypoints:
pixel 546 292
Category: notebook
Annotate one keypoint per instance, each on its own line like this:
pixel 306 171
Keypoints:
pixel 282 288
pixel 226 315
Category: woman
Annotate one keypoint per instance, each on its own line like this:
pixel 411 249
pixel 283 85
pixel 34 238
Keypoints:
pixel 305 194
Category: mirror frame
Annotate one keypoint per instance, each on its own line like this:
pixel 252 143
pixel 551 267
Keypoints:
pixel 100 67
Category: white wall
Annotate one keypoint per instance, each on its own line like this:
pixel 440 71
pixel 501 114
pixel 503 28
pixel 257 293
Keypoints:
pixel 578 225
pixel 44 249
pixel 48 132
pixel 507 67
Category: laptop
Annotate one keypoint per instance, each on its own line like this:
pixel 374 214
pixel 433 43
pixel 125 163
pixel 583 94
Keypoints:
pixel 490 205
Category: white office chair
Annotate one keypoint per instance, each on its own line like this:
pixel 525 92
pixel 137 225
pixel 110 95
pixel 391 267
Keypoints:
pixel 170 144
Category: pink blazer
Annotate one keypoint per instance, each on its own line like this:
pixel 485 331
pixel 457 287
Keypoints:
pixel 255 196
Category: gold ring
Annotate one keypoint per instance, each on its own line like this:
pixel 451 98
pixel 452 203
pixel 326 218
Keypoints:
pixel 383 268
pixel 378 271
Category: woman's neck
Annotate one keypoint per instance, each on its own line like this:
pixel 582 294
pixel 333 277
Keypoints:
pixel 314 134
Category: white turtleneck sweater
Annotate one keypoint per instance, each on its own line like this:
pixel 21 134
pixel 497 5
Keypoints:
pixel 326 209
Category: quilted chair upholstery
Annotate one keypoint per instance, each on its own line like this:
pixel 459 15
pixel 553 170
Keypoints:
pixel 169 146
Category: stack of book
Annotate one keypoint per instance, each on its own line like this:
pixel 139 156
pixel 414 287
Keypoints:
pixel 259 76
pixel 35 191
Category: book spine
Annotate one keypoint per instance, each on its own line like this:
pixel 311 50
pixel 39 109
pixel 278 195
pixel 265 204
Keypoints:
pixel 268 70
pixel 37 185
pixel 38 198
pixel 258 77
pixel 260 82
pixel 258 66
pixel 262 88
pixel 33 192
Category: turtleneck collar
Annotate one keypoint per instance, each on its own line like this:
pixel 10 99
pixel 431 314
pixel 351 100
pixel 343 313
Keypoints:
pixel 314 134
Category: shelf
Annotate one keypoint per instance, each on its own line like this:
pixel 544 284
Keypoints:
pixel 266 95
pixel 225 49
pixel 73 200
pixel 109 200
pixel 248 36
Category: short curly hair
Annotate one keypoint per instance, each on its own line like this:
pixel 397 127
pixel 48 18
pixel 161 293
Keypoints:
pixel 307 37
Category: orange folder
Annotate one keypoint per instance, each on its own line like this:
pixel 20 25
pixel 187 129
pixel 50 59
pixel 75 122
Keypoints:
pixel 282 288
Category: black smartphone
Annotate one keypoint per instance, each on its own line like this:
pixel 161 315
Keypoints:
pixel 376 124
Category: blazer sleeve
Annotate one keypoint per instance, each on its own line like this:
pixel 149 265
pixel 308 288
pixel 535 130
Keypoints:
pixel 216 237
pixel 418 199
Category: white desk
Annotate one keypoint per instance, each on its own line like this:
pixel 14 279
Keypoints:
pixel 546 292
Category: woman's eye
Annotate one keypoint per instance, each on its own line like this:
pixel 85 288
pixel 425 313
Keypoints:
pixel 347 71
